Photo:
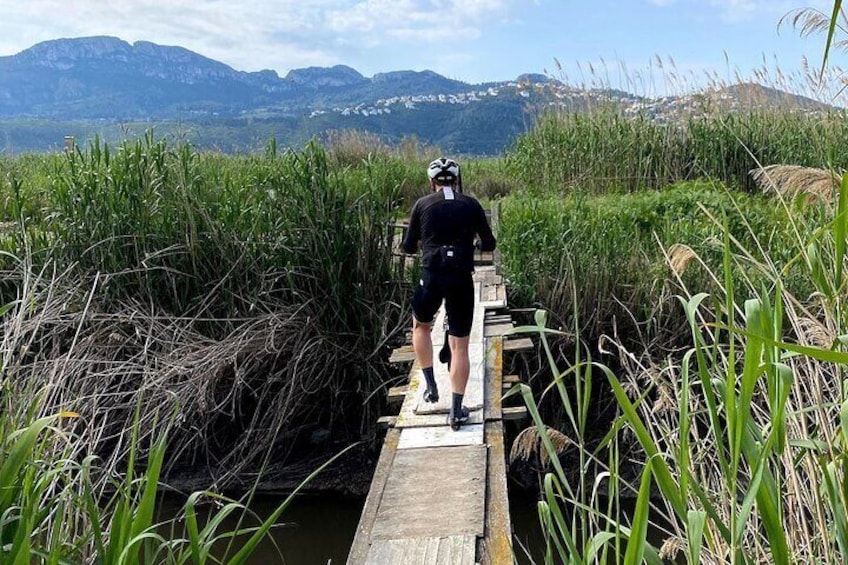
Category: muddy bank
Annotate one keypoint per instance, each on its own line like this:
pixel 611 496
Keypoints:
pixel 348 476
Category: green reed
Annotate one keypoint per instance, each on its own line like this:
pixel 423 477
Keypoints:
pixel 610 249
pixel 605 151
pixel 64 498
pixel 59 506
pixel 743 432
pixel 175 224
pixel 270 279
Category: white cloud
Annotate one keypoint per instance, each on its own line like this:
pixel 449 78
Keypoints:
pixel 255 34
pixel 736 11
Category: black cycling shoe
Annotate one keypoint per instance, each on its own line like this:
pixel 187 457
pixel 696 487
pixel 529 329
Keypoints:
pixel 456 421
pixel 431 395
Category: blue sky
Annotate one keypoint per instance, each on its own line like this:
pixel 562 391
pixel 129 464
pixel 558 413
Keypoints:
pixel 616 43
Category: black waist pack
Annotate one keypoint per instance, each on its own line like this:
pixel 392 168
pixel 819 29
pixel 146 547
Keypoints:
pixel 450 257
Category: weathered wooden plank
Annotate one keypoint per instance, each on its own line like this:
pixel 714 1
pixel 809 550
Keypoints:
pixel 361 541
pixel 411 420
pixel 501 295
pixel 497 329
pixel 459 550
pixel 494 378
pixel 498 319
pixel 402 354
pixel 483 257
pixel 440 436
pixel 491 293
pixel 476 335
pixel 517 344
pixel 495 547
pixel 396 394
pixel 514 413
pixel 386 421
pixel 433 492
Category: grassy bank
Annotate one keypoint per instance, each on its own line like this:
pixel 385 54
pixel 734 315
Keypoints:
pixel 253 296
pixel 731 442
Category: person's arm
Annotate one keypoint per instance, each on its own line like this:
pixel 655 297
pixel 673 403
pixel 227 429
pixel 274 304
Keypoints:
pixel 487 239
pixel 413 232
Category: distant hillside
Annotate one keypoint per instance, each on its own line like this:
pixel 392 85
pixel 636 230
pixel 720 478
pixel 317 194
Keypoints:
pixel 107 78
pixel 106 86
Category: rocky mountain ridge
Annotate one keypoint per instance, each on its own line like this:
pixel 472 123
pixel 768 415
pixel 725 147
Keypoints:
pixel 107 80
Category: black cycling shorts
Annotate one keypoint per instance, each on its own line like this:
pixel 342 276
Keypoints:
pixel 456 288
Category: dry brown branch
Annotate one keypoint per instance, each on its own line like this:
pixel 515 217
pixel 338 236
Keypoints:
pixel 228 403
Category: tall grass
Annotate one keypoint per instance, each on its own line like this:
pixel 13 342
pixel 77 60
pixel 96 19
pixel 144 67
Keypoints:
pixel 603 257
pixel 605 151
pixel 60 502
pixel 742 434
pixel 253 295
pixel 59 506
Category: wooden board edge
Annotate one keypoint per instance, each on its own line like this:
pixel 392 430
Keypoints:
pixel 361 541
pixel 495 547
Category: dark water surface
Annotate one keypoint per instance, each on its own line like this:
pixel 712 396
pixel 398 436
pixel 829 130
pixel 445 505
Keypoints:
pixel 319 530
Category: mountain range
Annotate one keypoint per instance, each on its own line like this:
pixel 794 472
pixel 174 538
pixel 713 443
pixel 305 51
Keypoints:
pixel 109 87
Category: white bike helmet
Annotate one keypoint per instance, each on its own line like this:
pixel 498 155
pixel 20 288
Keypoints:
pixel 443 169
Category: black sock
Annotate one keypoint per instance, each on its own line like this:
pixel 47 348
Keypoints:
pixel 456 407
pixel 430 378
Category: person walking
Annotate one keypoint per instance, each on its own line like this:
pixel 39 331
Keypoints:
pixel 448 225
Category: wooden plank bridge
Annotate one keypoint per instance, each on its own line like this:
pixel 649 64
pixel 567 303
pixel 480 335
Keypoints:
pixel 439 496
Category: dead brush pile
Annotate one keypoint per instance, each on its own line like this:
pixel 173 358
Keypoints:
pixel 230 404
pixel 245 303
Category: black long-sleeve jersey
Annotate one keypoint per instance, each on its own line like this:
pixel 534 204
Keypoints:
pixel 446 219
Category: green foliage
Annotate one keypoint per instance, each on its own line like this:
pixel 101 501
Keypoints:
pixel 56 510
pixel 177 225
pixel 756 442
pixel 606 151
pixel 612 250
pixel 271 280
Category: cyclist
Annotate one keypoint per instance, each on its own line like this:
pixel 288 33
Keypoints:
pixel 446 223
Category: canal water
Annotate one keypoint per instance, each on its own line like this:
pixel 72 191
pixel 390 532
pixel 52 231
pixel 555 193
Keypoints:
pixel 319 530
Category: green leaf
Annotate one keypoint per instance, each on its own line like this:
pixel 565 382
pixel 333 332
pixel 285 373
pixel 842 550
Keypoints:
pixel 841 219
pixel 818 353
pixel 22 443
pixel 695 521
pixel 837 6
pixel 639 532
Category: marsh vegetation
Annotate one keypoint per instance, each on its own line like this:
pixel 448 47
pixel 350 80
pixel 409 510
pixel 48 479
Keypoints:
pixel 171 312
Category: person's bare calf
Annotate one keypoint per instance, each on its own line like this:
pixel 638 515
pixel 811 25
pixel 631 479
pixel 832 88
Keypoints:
pixel 422 344
pixel 459 370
